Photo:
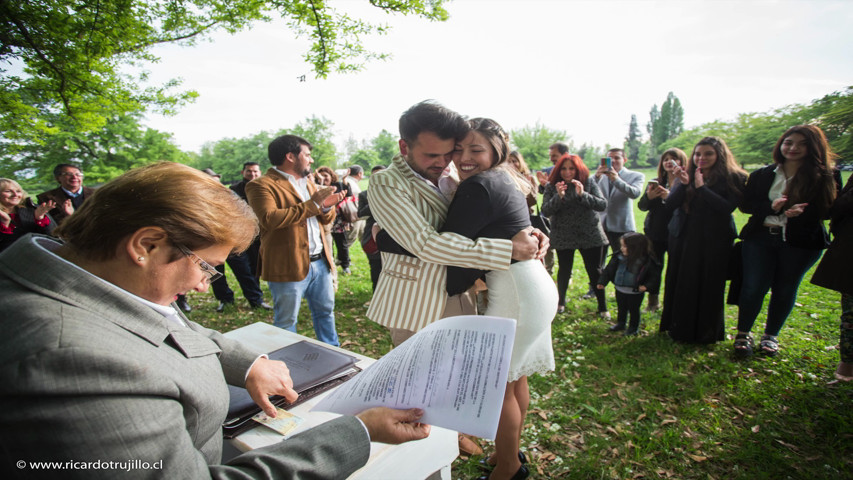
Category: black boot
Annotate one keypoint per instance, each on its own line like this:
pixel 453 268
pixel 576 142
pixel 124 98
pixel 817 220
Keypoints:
pixel 617 328
pixel 633 328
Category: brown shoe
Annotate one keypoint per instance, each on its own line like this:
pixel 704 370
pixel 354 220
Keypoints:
pixel 469 446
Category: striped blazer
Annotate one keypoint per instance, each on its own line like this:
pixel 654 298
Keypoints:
pixel 411 292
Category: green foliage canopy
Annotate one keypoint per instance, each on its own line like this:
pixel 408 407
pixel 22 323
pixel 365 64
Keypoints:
pixel 64 63
pixel 533 142
pixel 752 136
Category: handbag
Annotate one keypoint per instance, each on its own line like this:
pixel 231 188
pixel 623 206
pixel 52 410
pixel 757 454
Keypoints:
pixel 347 210
pixel 541 222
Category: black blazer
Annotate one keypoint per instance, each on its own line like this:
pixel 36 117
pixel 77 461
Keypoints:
pixel 804 231
pixel 657 218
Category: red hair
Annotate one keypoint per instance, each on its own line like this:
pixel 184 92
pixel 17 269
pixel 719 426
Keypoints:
pixel 581 171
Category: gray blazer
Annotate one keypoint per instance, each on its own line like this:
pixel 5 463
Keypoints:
pixel 620 195
pixel 87 373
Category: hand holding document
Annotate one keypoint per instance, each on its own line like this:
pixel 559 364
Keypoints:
pixel 455 370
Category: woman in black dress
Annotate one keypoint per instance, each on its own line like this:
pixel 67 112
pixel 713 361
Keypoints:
pixel 702 230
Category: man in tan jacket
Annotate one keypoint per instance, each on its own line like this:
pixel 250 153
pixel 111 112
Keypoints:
pixel 295 259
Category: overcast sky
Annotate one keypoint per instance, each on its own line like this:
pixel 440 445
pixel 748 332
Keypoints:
pixel 579 66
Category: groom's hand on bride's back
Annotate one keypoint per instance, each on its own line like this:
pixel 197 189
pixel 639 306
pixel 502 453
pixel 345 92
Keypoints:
pixel 529 244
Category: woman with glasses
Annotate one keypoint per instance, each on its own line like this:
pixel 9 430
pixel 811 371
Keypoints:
pixel 97 365
pixel 19 216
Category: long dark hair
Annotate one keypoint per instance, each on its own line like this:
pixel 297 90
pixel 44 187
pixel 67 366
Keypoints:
pixel 675 153
pixel 724 169
pixel 638 246
pixel 499 141
pixel 813 182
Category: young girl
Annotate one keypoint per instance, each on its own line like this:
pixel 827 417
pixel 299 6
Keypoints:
pixel 634 271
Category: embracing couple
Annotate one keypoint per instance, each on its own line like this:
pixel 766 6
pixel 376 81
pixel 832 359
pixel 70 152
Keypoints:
pixel 446 236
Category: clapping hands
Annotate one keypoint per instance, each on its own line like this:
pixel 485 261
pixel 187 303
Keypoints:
pixel 796 210
pixel 43 208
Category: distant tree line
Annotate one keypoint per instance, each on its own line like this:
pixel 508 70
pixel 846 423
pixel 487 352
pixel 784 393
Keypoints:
pixel 123 142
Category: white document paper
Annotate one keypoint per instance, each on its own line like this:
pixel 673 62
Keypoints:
pixel 455 370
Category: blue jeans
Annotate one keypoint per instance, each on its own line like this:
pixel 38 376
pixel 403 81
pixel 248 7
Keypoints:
pixel 318 290
pixel 771 264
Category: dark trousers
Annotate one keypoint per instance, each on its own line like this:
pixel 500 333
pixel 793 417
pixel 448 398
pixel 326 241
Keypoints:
pixel 343 249
pixel 771 264
pixel 628 304
pixel 591 261
pixel 660 252
pixel 241 266
pixel 615 246
pixel 375 268
pixel 846 341
pixel 220 288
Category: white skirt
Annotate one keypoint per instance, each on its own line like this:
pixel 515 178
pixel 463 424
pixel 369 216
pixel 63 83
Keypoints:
pixel 526 293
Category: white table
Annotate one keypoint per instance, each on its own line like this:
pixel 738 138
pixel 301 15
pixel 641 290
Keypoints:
pixel 412 460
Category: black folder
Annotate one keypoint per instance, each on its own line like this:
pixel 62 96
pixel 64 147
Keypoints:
pixel 313 368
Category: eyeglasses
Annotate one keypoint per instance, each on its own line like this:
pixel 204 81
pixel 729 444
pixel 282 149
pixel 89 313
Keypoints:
pixel 72 174
pixel 208 270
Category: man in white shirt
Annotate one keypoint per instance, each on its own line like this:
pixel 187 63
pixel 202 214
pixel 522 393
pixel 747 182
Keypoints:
pixel 296 260
pixel 70 194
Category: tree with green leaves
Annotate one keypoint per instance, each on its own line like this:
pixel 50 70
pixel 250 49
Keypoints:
pixel 319 132
pixel 69 66
pixel 665 124
pixel 533 142
pixel 119 145
pixel 227 156
pixel 632 143
pixel 386 146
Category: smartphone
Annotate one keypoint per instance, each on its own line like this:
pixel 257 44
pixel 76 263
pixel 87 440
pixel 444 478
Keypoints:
pixel 654 182
pixel 607 163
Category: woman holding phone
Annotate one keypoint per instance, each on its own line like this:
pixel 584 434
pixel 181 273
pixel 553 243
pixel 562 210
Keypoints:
pixel 701 232
pixel 658 216
pixel 327 177
pixel 785 235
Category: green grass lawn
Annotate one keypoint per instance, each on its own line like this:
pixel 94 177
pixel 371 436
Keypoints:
pixel 646 407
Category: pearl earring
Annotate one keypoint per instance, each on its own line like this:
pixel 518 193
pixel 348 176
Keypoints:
pixel 140 258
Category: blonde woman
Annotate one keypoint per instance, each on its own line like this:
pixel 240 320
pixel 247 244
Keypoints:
pixel 19 215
